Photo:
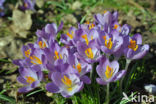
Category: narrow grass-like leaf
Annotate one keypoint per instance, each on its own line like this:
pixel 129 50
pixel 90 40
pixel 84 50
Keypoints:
pixel 7 98
pixel 34 92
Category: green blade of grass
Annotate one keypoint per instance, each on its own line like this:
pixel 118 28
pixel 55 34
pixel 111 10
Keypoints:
pixel 34 92
pixel 9 99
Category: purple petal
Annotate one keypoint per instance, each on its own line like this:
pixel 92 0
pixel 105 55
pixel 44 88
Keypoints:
pixel 143 50
pixel 24 89
pixel 119 75
pixel 35 84
pixel 51 87
pixel 21 80
pixel 86 79
pixel 138 38
pixel 100 81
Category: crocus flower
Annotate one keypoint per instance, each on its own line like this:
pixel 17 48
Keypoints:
pixel 107 21
pixel 68 38
pixel 28 5
pixel 81 67
pixel 108 71
pixel 30 77
pixel 110 43
pixel 125 30
pixel 89 53
pixel 135 49
pixel 33 56
pixel 49 31
pixel 66 84
pixel 1 8
pixel 54 54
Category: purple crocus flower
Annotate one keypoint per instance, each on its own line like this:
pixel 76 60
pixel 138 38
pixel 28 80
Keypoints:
pixel 80 66
pixel 135 49
pixel 49 31
pixel 33 56
pixel 68 38
pixel 89 53
pixel 1 8
pixel 108 71
pixel 54 54
pixel 125 30
pixel 110 43
pixel 28 5
pixel 66 84
pixel 30 77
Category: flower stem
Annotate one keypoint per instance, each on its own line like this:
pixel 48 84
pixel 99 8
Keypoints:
pixel 126 68
pixel 107 94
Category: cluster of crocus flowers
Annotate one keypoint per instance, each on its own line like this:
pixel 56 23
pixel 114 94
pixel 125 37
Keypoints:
pixel 83 46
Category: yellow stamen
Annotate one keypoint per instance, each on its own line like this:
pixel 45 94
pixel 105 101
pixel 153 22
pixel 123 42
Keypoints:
pixel 109 72
pixel 109 43
pixel 35 60
pixel 27 52
pixel 42 44
pixel 57 56
pixel 65 80
pixel 92 37
pixel 30 79
pixel 79 67
pixel 74 66
pixel 105 11
pixel 133 45
pixel 87 22
pixel 25 5
pixel 89 53
pixel 91 26
pixel 70 35
pixel 86 38
pixel 115 26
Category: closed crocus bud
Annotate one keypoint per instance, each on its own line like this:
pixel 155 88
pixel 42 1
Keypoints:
pixel 108 71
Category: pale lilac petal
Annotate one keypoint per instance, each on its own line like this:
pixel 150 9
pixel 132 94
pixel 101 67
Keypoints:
pixel 100 81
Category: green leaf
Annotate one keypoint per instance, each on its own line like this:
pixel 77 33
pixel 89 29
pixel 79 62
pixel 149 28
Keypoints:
pixel 7 98
pixel 34 92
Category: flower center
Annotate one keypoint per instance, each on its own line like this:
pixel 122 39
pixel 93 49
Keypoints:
pixel 91 26
pixel 133 45
pixel 30 79
pixel 115 26
pixel 35 60
pixel 27 52
pixel 57 56
pixel 85 38
pixel 70 35
pixel 42 44
pixel 25 5
pixel 105 11
pixel 108 72
pixel 65 80
pixel 89 53
pixel 108 43
pixel 78 67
